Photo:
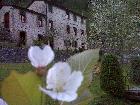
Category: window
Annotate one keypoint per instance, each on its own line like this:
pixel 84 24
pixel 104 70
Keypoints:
pixel 51 25
pixel 82 32
pixel 50 8
pixel 67 43
pixel 83 46
pixel 68 14
pixel 7 20
pixel 40 37
pixel 74 44
pixel 74 17
pixel 75 30
pixel 82 20
pixel 40 21
pixel 23 16
pixel 68 29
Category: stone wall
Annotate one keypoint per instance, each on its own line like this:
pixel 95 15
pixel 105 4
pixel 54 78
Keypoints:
pixel 19 55
pixel 60 21
pixel 30 26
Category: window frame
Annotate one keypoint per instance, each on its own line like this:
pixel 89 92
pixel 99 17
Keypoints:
pixel 75 30
pixel 40 21
pixel 23 17
pixel 50 25
pixel 74 17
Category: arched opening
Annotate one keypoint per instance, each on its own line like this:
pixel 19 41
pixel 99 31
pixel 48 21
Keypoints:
pixel 6 20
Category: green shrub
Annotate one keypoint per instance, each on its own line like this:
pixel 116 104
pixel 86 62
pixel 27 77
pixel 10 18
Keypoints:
pixel 108 100
pixel 111 78
pixel 135 70
pixel 40 42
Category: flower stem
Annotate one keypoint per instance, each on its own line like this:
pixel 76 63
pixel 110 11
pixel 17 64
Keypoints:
pixel 61 103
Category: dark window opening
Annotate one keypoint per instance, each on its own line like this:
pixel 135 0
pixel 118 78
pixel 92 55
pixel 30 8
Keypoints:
pixel 23 16
pixel 22 39
pixel 0 4
pixel 83 45
pixel 74 17
pixel 82 20
pixel 40 21
pixel 67 43
pixel 82 32
pixel 51 25
pixel 7 20
pixel 50 8
pixel 74 44
pixel 68 29
pixel 75 30
pixel 68 14
pixel 40 37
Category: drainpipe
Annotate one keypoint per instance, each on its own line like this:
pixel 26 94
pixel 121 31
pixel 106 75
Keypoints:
pixel 46 18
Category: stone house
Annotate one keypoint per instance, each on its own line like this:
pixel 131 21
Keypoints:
pixel 63 27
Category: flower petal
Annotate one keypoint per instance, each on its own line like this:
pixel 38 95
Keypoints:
pixel 32 56
pixel 74 81
pixel 58 74
pixel 2 102
pixel 50 93
pixel 66 96
pixel 48 55
pixel 40 57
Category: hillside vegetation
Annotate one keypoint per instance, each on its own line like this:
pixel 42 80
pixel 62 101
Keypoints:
pixel 79 6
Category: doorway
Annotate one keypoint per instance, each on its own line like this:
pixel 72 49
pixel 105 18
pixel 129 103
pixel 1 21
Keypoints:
pixel 6 20
pixel 22 39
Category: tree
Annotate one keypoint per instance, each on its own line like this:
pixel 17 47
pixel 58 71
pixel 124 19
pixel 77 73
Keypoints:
pixel 111 78
pixel 114 25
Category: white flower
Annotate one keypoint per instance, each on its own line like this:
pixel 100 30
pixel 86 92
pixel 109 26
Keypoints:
pixel 62 84
pixel 40 57
pixel 2 102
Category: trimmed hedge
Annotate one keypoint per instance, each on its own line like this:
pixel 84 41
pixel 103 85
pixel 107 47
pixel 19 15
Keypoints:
pixel 111 78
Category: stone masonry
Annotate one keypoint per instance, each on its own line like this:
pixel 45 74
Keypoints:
pixel 40 18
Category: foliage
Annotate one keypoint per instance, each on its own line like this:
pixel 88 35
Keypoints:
pixel 20 67
pixel 113 26
pixel 76 5
pixel 23 89
pixel 101 98
pixel 135 69
pixel 111 78
pixel 42 41
pixel 109 100
pixel 84 61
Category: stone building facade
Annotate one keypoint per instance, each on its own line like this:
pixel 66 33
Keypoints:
pixel 65 28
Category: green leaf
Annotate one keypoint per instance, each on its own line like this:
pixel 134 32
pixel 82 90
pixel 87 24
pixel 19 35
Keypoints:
pixel 22 89
pixel 84 62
